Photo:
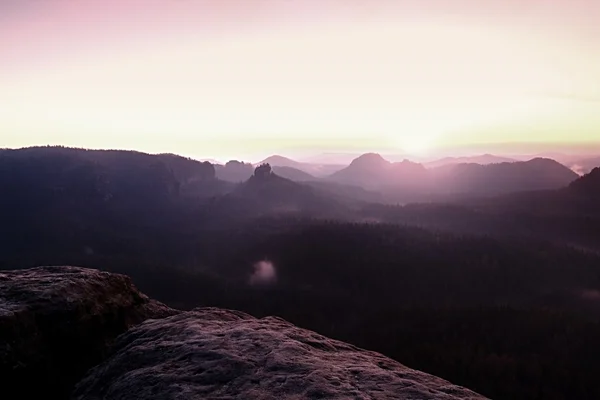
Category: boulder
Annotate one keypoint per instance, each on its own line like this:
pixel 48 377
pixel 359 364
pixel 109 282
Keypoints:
pixel 57 322
pixel 218 354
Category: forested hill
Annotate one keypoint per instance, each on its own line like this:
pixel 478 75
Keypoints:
pixel 588 185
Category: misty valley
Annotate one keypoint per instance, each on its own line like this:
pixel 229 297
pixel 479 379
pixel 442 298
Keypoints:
pixel 485 274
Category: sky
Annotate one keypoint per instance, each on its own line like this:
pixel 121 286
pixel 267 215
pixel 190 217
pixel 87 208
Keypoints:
pixel 248 78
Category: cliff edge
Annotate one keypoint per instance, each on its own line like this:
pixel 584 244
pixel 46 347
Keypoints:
pixel 63 325
pixel 219 354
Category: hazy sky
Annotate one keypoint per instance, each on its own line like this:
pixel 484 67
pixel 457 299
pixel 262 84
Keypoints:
pixel 245 78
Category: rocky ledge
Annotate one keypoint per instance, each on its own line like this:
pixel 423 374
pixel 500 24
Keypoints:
pixel 219 354
pixel 57 322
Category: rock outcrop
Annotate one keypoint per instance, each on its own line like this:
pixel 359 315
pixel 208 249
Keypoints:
pixel 218 354
pixel 263 171
pixel 57 322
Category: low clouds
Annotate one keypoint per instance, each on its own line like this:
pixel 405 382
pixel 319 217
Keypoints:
pixel 264 273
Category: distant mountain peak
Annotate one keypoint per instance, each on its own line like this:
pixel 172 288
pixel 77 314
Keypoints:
pixel 275 157
pixel 544 161
pixel 541 160
pixel 373 171
pixel 483 159
pixel 407 165
pixel 370 160
pixel 406 161
pixel 280 161
pixel 235 163
pixel 366 156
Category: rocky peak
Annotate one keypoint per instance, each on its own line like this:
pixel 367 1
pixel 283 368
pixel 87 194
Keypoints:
pixel 371 161
pixel 263 171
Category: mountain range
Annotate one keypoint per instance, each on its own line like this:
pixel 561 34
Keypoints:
pixel 372 171
pixel 408 181
pixel 482 159
pixel 415 181
pixel 119 172
pixel 314 169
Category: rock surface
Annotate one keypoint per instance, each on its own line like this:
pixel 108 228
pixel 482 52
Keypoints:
pixel 218 354
pixel 57 322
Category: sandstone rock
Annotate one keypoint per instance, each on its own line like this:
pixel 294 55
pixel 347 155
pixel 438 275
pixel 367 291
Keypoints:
pixel 218 354
pixel 57 322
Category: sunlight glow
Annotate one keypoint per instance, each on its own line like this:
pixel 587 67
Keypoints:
pixel 417 145
pixel 387 80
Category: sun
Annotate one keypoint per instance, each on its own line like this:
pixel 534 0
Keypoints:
pixel 416 145
pixel 415 137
